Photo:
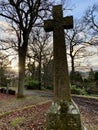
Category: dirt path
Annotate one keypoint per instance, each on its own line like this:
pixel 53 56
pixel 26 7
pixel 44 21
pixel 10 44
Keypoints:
pixel 89 111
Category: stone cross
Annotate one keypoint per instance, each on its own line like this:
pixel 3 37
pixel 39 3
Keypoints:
pixel 61 78
pixel 63 114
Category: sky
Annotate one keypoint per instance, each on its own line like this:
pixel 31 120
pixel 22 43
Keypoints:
pixel 79 6
pixel 78 10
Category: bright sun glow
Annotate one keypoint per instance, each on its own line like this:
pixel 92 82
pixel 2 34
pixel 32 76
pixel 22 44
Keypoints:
pixel 14 68
pixel 14 64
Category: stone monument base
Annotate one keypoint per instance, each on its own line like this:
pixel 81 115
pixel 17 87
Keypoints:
pixel 63 115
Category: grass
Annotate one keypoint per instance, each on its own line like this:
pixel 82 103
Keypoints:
pixel 17 121
pixel 91 127
pixel 87 96
pixel 23 108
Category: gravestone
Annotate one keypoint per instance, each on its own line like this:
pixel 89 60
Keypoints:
pixel 63 114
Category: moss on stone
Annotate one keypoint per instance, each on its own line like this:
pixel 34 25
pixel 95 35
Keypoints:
pixel 63 115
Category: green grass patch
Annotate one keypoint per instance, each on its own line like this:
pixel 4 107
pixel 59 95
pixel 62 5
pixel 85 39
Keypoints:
pixel 17 121
pixel 87 96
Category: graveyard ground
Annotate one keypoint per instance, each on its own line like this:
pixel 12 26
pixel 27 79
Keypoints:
pixel 29 113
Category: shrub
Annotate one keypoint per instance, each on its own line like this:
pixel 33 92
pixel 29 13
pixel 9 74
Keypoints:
pixel 96 75
pixel 32 84
pixel 49 87
pixel 78 91
pixel 76 77
pixel 92 90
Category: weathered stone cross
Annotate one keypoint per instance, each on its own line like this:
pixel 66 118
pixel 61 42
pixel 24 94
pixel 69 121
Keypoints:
pixel 63 114
pixel 57 25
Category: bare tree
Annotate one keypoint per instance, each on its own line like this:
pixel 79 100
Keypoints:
pixel 40 50
pixel 22 16
pixel 77 44
pixel 90 20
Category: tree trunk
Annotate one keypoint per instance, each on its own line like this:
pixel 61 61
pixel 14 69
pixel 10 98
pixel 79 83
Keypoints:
pixel 44 76
pixel 72 69
pixel 39 72
pixel 72 64
pixel 22 56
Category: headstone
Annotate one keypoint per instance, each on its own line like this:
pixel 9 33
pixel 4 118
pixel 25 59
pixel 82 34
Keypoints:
pixel 63 114
pixel 7 88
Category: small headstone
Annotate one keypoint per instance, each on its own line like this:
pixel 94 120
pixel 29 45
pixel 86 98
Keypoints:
pixel 63 114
